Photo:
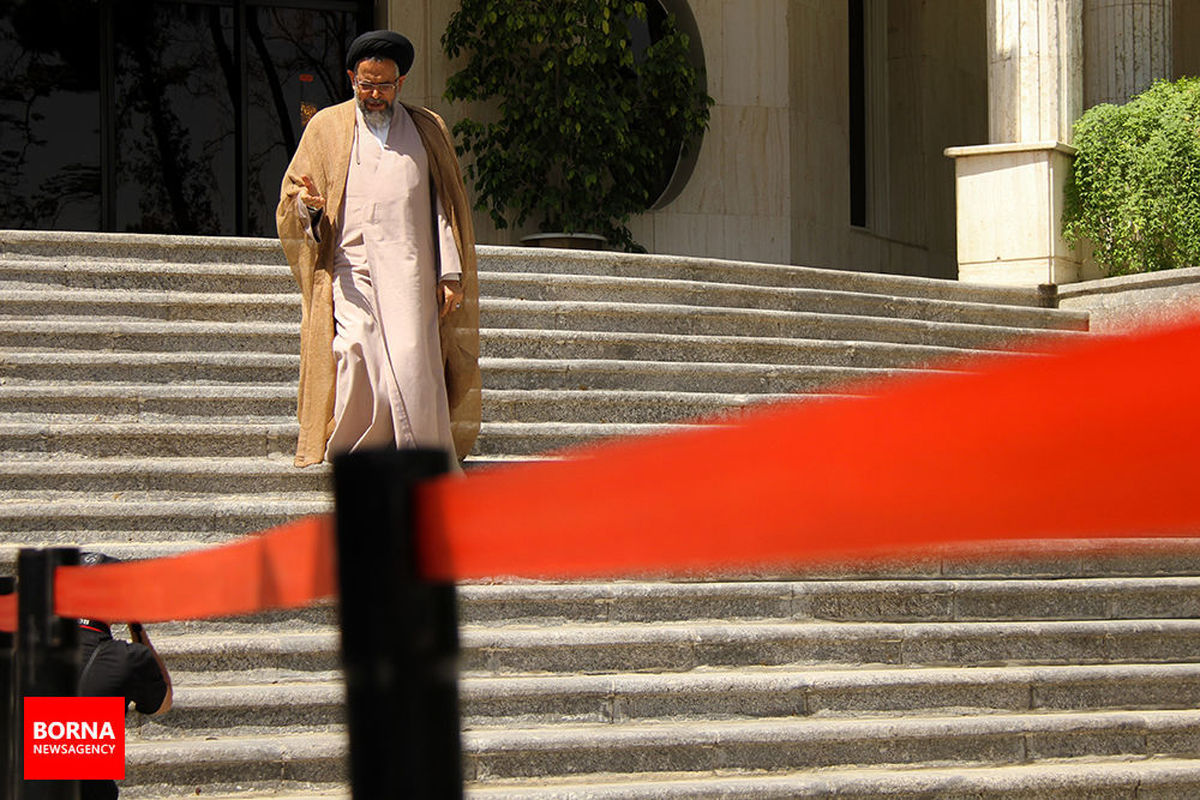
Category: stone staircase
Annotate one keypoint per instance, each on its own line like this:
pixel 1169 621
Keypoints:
pixel 147 399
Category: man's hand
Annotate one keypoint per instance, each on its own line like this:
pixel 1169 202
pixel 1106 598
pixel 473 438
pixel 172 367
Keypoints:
pixel 138 634
pixel 310 195
pixel 450 297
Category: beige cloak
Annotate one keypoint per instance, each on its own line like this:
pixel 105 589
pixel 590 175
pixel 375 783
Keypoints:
pixel 324 155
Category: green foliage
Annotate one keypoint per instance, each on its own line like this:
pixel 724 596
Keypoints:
pixel 587 129
pixel 1134 190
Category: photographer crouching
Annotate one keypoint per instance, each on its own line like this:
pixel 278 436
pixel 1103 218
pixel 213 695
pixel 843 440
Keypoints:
pixel 117 668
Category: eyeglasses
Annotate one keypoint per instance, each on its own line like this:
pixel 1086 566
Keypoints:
pixel 364 86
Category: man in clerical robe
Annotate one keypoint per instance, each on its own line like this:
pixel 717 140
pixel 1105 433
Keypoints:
pixel 376 225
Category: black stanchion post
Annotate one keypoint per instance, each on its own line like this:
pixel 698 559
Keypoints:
pixel 8 720
pixel 47 649
pixel 399 634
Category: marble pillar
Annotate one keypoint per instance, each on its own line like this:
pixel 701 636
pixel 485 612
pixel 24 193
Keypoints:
pixel 1009 193
pixel 1035 69
pixel 1127 46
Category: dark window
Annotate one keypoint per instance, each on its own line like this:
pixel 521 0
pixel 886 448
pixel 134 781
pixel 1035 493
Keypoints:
pixel 858 114
pixel 158 115
pixel 50 115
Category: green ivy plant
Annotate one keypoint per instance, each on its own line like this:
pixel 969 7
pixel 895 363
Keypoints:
pixel 1134 188
pixel 585 131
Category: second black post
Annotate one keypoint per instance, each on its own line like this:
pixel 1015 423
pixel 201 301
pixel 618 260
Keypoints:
pixel 399 633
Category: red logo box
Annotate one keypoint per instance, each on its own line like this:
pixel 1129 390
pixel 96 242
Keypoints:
pixel 74 738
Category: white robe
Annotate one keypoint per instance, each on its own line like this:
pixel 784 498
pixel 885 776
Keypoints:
pixel 390 381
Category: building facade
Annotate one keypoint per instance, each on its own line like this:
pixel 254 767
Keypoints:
pixel 828 139
pixel 828 144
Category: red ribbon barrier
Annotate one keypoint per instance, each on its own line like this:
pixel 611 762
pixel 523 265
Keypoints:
pixel 284 567
pixel 1098 440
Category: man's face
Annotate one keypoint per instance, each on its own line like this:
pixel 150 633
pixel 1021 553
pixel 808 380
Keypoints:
pixel 376 84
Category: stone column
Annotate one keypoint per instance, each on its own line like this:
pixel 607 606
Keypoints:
pixel 1035 69
pixel 1127 46
pixel 1009 193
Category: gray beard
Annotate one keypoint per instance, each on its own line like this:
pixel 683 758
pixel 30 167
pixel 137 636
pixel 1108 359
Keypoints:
pixel 376 119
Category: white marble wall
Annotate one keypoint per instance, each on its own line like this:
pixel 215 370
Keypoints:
pixel 1127 45
pixel 738 202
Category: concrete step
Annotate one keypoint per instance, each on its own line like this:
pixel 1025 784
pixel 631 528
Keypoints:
pixel 46 338
pixel 648 376
pixel 215 519
pixel 179 477
pixel 797 743
pixel 255 653
pixel 658 291
pixel 748 693
pixel 879 600
pixel 172 768
pixel 212 256
pixel 24 440
pixel 524 701
pixel 1118 778
pixel 32 440
pixel 535 438
pixel 280 790
pixel 527 260
pixel 216 368
pixel 623 406
pixel 70 401
pixel 653 322
pixel 263 708
pixel 127 545
pixel 27 366
pixel 150 336
pixel 70 247
pixel 1159 778
pixel 320 616
pixel 172 305
pixel 162 330
pixel 624 345
pixel 882 600
pixel 151 440
pixel 687 646
pixel 650 749
pixel 719 321
pixel 79 271
pixel 62 402
pixel 218 304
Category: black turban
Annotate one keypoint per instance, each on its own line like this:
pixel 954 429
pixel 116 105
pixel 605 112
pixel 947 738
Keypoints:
pixel 381 44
